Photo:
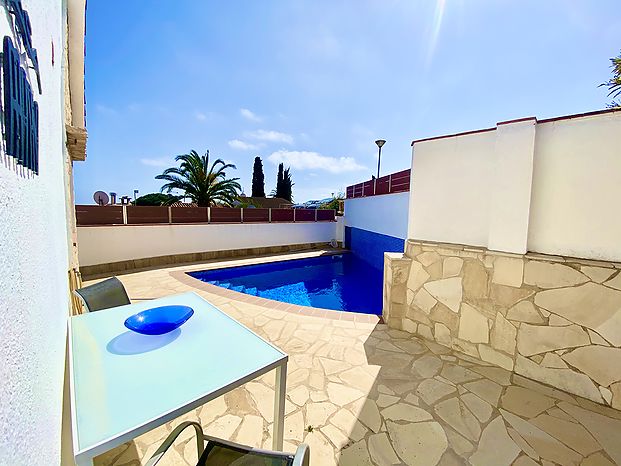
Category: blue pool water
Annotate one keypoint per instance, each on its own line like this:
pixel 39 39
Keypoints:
pixel 341 282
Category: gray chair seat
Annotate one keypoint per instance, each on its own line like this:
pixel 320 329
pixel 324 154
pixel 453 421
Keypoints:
pixel 217 452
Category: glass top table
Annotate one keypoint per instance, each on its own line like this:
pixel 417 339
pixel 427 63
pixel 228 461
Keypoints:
pixel 124 384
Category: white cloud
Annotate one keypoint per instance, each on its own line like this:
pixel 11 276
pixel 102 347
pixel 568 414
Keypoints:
pixel 250 115
pixel 206 116
pixel 241 145
pixel 270 136
pixel 162 162
pixel 305 160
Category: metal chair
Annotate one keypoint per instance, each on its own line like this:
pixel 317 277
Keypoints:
pixel 103 295
pixel 217 452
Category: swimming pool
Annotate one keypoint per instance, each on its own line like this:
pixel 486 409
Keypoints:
pixel 341 282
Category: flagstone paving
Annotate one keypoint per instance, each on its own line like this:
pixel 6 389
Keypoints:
pixel 362 394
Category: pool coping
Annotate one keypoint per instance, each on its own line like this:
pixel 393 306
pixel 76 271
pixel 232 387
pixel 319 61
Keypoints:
pixel 183 277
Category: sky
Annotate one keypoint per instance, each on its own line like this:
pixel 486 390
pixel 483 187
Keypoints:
pixel 313 83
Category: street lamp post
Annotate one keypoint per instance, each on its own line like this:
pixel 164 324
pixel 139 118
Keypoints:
pixel 380 143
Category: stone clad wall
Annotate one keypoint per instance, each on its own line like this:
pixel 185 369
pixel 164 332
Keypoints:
pixel 556 320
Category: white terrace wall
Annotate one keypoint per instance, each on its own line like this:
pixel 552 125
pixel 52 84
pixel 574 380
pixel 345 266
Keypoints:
pixel 108 244
pixel 34 290
pixel 484 206
pixel 575 201
pixel 551 186
pixel 383 214
pixel 376 224
pixel 449 199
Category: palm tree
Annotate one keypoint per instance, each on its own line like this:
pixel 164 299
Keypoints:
pixel 203 184
pixel 614 83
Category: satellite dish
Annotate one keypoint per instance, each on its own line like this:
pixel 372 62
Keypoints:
pixel 101 198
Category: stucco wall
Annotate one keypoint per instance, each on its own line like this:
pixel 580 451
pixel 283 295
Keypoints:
pixel 34 302
pixel 340 229
pixel 375 225
pixel 449 194
pixel 104 244
pixel 385 214
pixel 549 186
pixel 577 187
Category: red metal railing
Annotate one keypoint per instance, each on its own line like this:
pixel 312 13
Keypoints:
pixel 398 182
pixel 225 215
pixel 189 215
pixel 140 215
pixel 146 214
pixel 282 215
pixel 98 215
pixel 259 215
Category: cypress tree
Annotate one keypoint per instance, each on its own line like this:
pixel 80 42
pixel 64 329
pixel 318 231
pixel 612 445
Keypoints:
pixel 278 192
pixel 287 185
pixel 258 179
pixel 284 184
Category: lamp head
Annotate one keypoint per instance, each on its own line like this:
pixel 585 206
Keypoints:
pixel 380 142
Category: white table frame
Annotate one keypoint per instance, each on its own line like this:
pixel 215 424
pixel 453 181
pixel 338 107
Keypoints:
pixel 85 457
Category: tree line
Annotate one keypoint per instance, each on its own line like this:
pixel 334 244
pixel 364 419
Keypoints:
pixel 207 184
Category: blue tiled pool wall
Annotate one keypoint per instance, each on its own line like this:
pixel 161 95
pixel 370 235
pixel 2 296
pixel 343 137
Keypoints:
pixel 370 246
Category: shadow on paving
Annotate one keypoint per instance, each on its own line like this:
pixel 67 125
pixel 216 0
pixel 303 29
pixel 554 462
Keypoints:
pixel 376 396
pixel 429 405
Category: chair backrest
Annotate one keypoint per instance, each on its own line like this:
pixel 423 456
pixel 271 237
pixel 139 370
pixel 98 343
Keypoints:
pixel 220 452
pixel 103 295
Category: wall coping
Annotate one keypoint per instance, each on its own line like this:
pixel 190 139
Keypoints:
pixel 396 256
pixel 517 120
pixel 298 222
pixel 347 199
pixel 146 263
pixel 529 255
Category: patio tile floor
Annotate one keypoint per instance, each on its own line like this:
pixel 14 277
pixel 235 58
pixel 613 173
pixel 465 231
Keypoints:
pixel 360 393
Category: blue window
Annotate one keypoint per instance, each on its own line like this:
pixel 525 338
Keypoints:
pixel 21 112
pixel 24 31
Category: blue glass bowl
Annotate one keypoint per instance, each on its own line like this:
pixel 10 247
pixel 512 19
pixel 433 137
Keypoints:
pixel 159 320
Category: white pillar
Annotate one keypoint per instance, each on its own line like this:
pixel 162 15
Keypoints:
pixel 510 184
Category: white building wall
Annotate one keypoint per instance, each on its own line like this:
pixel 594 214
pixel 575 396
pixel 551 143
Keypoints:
pixel 34 301
pixel 385 214
pixel 340 229
pixel 449 191
pixel 511 182
pixel 577 188
pixel 105 244
pixel 551 187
